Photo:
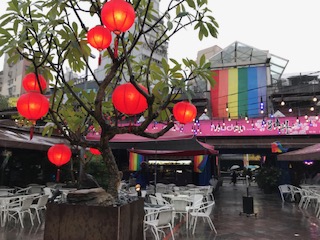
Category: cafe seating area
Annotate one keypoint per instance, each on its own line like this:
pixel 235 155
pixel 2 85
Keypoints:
pixel 22 205
pixel 274 220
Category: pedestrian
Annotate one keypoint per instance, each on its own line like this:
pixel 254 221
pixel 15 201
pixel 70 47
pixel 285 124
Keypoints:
pixel 234 178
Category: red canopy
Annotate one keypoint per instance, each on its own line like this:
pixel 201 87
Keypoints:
pixel 172 142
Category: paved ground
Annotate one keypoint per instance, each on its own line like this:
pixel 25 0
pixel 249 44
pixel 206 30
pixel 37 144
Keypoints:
pixel 274 220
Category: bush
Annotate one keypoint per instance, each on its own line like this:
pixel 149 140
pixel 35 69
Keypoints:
pixel 268 178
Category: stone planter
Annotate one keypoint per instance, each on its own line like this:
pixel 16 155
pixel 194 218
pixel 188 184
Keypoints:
pixel 82 222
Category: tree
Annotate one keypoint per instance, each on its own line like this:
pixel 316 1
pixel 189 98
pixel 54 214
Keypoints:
pixel 53 35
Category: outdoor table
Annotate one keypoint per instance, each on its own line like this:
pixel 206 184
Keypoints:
pixel 148 207
pixel 6 191
pixel 173 196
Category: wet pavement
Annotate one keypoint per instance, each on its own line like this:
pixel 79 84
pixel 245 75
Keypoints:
pixel 273 220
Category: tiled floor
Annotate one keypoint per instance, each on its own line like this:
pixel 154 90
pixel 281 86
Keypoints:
pixel 274 220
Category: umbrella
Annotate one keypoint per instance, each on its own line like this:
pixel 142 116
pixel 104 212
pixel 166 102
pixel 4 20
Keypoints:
pixel 252 167
pixel 234 167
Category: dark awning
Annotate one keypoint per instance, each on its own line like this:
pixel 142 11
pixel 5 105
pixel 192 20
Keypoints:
pixel 18 138
pixel 307 153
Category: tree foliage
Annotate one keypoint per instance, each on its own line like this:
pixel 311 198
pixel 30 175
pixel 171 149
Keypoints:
pixel 52 35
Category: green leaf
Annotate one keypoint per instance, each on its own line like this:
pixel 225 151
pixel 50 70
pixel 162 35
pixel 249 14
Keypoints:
pixel 169 25
pixel 191 3
pixel 202 60
pixel 182 14
pixel 165 65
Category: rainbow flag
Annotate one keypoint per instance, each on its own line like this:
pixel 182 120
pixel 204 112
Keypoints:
pixel 135 161
pixel 276 147
pixel 241 89
pixel 199 163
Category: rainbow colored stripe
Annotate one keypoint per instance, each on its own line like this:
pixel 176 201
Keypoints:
pixel 135 161
pixel 199 163
pixel 239 88
pixel 276 147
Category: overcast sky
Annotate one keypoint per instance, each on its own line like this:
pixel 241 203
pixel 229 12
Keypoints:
pixel 287 28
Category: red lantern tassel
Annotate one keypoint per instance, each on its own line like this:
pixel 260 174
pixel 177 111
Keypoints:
pixel 99 59
pixel 58 175
pixel 116 42
pixel 32 129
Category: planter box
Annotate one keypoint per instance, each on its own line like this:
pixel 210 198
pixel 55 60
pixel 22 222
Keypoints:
pixel 76 222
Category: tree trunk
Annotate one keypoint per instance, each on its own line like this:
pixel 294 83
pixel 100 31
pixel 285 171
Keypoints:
pixel 113 174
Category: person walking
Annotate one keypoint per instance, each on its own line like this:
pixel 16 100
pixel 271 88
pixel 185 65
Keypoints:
pixel 234 178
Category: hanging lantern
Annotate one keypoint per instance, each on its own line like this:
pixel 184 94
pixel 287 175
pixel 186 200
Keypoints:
pixel 30 82
pixel 95 151
pixel 33 105
pixel 59 154
pixel 127 99
pixel 99 37
pixel 184 112
pixel 117 15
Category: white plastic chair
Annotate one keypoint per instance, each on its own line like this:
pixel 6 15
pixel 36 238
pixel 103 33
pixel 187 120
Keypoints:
pixel 202 212
pixel 196 202
pixel 48 191
pixel 158 201
pixel 180 207
pixel 22 190
pixel 20 210
pixel 161 200
pixel 40 205
pixel 285 191
pixel 158 221
pixel 294 191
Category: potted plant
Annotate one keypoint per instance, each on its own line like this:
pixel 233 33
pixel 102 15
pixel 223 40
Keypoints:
pixel 268 178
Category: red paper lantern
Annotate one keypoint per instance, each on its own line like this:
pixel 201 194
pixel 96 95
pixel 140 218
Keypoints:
pixel 127 99
pixel 33 105
pixel 117 15
pixel 59 154
pixel 95 151
pixel 30 82
pixel 184 112
pixel 99 37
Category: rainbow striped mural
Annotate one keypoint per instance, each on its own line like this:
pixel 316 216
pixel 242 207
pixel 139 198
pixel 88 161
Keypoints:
pixel 135 161
pixel 199 163
pixel 240 89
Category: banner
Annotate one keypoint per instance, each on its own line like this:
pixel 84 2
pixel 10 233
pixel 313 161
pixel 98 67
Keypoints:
pixel 199 163
pixel 276 147
pixel 135 161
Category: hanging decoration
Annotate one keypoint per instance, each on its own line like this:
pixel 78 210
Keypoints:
pixel 31 83
pixel 99 37
pixel 184 112
pixel 118 16
pixel 95 151
pixel 128 100
pixel 59 154
pixel 33 106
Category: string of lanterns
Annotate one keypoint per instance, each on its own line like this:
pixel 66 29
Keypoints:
pixel 118 16
pixel 33 105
